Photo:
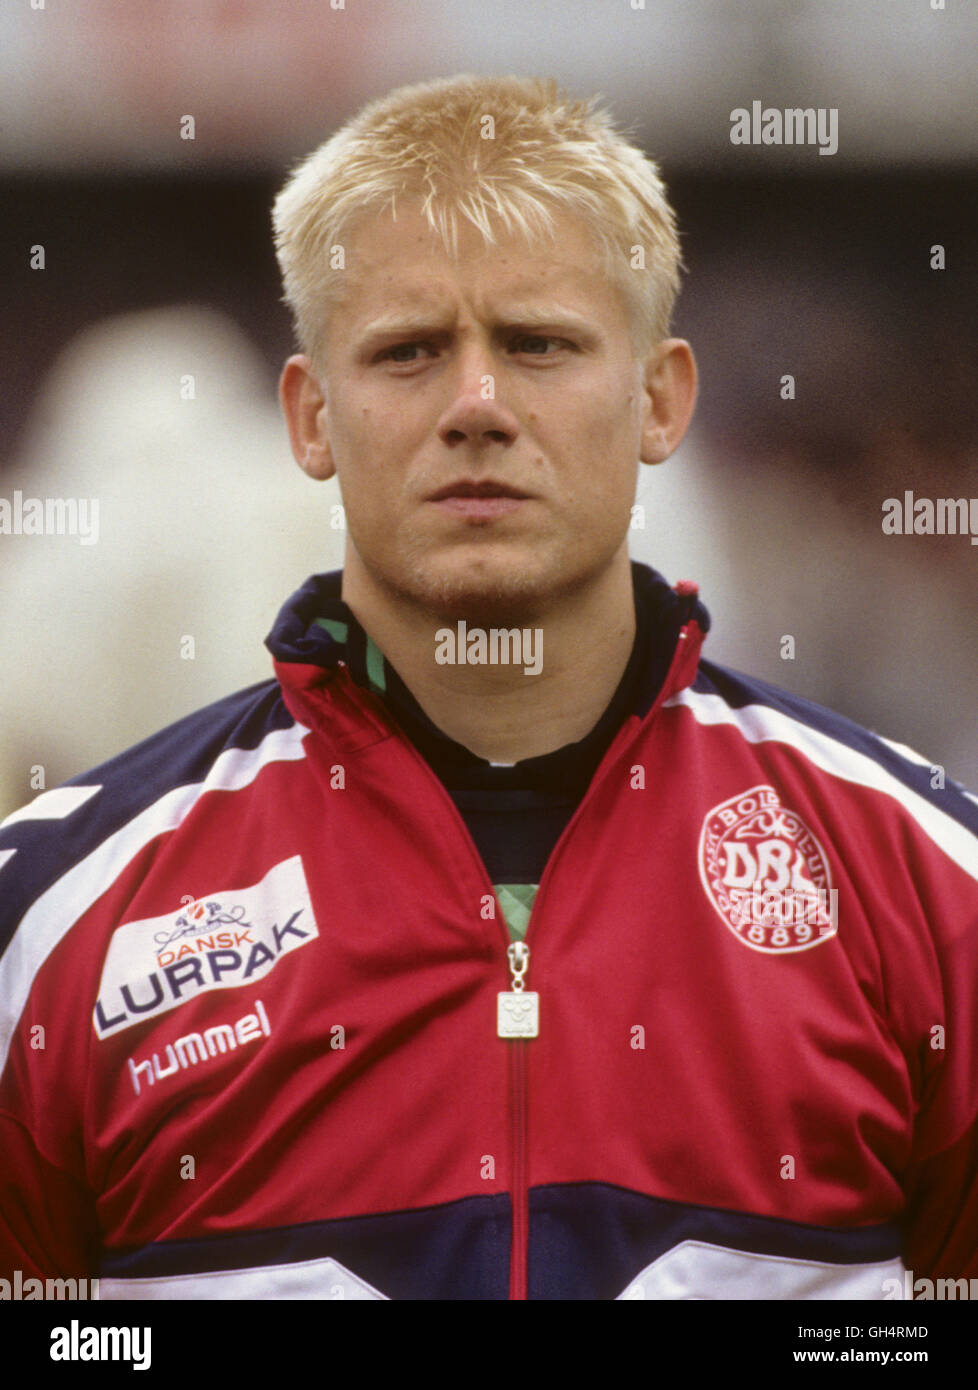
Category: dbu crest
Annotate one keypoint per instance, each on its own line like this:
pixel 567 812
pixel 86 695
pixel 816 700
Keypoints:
pixel 766 874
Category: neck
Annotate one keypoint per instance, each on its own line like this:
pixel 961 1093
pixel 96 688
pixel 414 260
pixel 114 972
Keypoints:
pixel 506 699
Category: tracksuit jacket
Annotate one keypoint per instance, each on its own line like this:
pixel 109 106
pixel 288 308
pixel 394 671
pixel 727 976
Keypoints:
pixel 255 973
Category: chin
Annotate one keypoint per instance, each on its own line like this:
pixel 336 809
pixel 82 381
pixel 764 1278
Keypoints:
pixel 514 592
pixel 487 591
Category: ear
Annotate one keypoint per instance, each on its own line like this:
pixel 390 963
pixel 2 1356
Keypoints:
pixel 304 406
pixel 670 395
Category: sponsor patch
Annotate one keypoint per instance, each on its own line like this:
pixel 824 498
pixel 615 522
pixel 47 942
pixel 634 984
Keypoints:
pixel 766 874
pixel 223 940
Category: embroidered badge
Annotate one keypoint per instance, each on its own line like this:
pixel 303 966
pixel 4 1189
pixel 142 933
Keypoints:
pixel 766 874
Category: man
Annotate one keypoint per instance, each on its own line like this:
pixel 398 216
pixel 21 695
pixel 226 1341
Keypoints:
pixel 501 947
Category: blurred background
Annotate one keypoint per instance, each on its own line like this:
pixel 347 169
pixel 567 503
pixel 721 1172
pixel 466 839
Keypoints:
pixel 140 363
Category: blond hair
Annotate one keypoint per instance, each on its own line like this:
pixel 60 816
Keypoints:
pixel 506 150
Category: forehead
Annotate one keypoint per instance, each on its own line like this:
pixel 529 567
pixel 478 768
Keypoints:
pixel 402 265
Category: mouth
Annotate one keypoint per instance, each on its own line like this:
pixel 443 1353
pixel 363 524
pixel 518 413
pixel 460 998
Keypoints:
pixel 488 487
pixel 479 501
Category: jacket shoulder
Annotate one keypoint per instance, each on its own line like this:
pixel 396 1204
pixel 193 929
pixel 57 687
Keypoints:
pixel 146 789
pixel 829 744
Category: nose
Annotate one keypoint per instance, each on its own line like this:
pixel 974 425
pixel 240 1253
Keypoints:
pixel 475 414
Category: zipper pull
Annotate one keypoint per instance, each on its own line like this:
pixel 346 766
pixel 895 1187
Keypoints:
pixel 518 1009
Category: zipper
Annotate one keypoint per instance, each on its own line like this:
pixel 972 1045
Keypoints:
pixel 518 1020
pixel 520 1196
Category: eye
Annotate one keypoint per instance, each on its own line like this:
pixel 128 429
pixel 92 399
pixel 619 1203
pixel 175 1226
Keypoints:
pixel 404 352
pixel 542 345
pixel 536 344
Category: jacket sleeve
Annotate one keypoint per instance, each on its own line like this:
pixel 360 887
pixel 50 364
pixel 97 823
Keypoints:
pixel 47 1218
pixel 942 1214
pixel 941 1180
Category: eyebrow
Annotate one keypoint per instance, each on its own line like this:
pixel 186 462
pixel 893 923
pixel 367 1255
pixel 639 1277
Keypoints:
pixel 420 322
pixel 547 316
pixel 395 324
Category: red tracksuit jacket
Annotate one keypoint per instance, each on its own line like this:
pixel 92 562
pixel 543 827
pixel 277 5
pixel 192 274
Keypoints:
pixel 248 1011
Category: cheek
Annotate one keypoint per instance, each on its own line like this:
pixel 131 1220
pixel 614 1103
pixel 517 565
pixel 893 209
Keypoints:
pixel 381 433
pixel 360 443
pixel 609 432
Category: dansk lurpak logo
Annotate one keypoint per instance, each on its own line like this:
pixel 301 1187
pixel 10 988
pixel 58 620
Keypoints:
pixel 224 939
pixel 766 874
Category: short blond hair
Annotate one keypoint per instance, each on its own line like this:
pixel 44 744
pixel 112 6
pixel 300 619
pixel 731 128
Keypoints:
pixel 495 150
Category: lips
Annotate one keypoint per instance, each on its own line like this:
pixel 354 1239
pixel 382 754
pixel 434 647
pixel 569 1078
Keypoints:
pixel 478 502
pixel 486 488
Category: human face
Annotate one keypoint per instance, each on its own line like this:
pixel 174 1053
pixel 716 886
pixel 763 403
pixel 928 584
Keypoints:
pixel 484 415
